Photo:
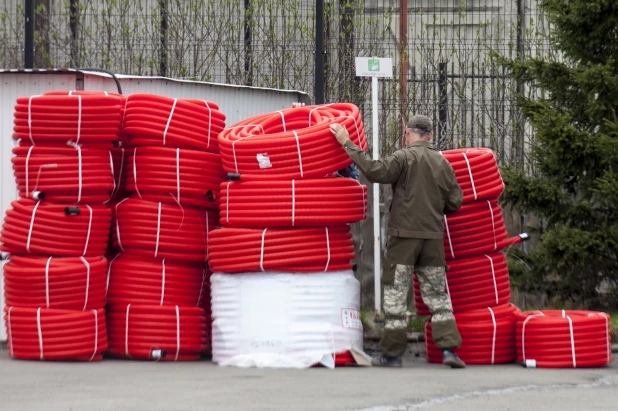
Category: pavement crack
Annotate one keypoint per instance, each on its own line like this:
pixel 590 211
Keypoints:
pixel 605 381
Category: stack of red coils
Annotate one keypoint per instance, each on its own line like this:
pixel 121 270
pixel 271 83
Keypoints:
pixel 55 282
pixel 159 283
pixel 563 339
pixel 288 213
pixel 477 280
pixel 487 334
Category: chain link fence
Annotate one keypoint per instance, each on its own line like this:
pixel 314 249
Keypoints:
pixel 441 51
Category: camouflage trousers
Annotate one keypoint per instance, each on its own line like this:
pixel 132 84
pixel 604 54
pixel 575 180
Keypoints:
pixel 397 279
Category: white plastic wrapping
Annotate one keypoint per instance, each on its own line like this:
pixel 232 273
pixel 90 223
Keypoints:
pixel 284 320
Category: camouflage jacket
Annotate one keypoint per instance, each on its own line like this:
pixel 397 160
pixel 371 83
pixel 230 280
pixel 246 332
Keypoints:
pixel 424 188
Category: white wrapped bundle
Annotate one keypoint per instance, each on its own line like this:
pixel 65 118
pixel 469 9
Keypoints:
pixel 283 319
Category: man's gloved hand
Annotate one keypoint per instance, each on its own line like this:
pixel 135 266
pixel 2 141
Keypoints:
pixel 298 104
pixel 340 132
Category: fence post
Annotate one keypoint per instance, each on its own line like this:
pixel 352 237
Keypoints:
pixel 248 20
pixel 73 22
pixel 163 38
pixel 319 52
pixel 29 34
pixel 442 105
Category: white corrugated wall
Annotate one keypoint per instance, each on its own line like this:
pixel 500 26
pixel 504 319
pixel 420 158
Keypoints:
pixel 236 102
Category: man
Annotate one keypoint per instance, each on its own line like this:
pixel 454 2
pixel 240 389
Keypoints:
pixel 424 189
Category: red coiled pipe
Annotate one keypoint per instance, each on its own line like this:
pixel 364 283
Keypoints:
pixel 313 202
pixel 64 174
pixel 141 280
pixel 152 120
pixel 167 333
pixel 32 227
pixel 473 283
pixel 270 249
pixel 477 173
pixel 488 336
pixel 189 177
pixel 563 339
pixel 290 144
pixel 53 334
pixel 65 283
pixel 56 119
pixel 160 230
pixel 477 228
pixel 119 157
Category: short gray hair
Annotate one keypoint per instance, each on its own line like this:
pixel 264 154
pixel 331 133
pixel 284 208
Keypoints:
pixel 422 133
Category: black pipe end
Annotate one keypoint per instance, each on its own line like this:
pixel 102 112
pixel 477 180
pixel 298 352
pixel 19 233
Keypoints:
pixel 72 210
pixel 210 195
pixel 233 176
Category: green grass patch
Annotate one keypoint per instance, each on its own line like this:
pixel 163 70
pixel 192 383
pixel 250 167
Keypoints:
pixel 417 324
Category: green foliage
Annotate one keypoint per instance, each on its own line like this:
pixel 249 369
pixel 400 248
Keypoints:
pixel 572 107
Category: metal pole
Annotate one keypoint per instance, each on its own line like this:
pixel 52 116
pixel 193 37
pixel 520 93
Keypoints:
pixel 29 34
pixel 376 199
pixel 73 21
pixel 319 52
pixel 248 43
pixel 443 105
pixel 163 38
pixel 403 70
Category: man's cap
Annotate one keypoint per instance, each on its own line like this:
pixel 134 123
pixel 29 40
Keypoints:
pixel 421 122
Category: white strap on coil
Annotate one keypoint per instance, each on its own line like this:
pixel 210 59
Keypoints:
pixel 126 332
pixel 493 341
pixel 109 271
pixel 30 117
pixel 135 172
pixel 96 335
pixel 362 190
pixel 470 173
pixel 87 281
pixel 209 122
pixel 242 138
pixel 118 225
pixel 448 234
pixel 79 118
pixel 38 324
pixel 28 171
pixel 327 250
pixel 293 202
pixel 177 333
pixel 169 120
pixel 111 167
pixel 493 274
pixel 282 120
pixel 300 157
pixel 317 108
pixel 89 230
pixel 178 175
pixel 207 236
pixel 523 333
pixel 117 185
pixel 31 226
pixel 262 250
pixel 10 331
pixel 47 282
pixel 493 223
pixel 162 282
pixel 572 337
pixel 156 252
pixel 199 298
pixel 79 173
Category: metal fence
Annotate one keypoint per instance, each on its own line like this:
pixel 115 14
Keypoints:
pixel 440 48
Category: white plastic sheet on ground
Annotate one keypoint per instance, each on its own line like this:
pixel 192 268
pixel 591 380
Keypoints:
pixel 284 320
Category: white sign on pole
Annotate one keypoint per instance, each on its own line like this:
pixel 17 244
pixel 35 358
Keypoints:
pixel 375 67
